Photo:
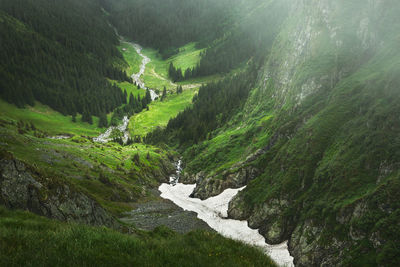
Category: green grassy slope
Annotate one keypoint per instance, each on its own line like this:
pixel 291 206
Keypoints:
pixel 160 112
pixel 130 55
pixel 82 162
pixel 188 57
pixel 324 110
pixel 47 119
pixel 26 239
pixel 156 74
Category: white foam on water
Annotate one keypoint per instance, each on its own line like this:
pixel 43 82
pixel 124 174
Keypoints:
pixel 136 76
pixel 123 128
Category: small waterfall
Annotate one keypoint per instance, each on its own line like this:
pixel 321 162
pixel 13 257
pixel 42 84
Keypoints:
pixel 174 179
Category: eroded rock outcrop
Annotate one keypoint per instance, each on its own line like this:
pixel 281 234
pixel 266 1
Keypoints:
pixel 21 187
pixel 237 176
pixel 213 185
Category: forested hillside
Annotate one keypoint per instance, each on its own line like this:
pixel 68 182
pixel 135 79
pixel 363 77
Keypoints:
pixel 167 25
pixel 59 53
pixel 214 106
pixel 225 28
pixel 316 141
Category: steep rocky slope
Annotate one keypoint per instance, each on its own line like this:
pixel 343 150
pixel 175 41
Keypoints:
pixel 21 187
pixel 325 112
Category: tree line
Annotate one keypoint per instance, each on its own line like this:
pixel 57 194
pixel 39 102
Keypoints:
pixel 59 53
pixel 212 107
pixel 168 24
pixel 250 39
pixel 133 105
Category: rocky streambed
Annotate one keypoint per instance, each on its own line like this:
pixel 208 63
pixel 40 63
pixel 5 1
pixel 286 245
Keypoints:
pixel 160 211
pixel 150 215
pixel 123 128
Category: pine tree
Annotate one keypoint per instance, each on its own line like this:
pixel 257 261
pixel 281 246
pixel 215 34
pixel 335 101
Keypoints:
pixel 131 100
pixel 125 96
pixel 86 117
pixel 179 75
pixel 172 72
pixel 103 123
pixel 188 73
pixel 164 94
pixel 148 96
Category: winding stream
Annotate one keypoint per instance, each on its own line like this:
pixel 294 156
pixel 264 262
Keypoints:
pixel 105 137
pixel 123 128
pixel 136 76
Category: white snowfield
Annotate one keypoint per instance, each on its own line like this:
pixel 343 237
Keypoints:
pixel 214 212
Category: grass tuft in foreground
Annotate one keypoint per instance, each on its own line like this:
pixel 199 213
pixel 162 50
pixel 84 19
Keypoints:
pixel 27 239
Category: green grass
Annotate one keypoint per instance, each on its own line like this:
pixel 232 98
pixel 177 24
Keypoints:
pixel 130 56
pixel 30 240
pixel 156 73
pixel 188 57
pixel 48 120
pixel 160 112
pixel 78 160
pixel 131 88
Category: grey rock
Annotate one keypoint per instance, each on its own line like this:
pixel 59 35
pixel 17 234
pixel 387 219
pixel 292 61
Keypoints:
pixel 22 188
pixel 233 178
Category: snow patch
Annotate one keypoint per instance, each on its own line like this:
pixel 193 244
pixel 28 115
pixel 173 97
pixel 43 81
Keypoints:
pixel 214 212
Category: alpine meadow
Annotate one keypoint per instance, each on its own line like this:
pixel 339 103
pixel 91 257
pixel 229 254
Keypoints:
pixel 199 133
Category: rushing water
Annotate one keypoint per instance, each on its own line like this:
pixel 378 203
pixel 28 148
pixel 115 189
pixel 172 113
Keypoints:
pixel 214 211
pixel 174 179
pixel 136 76
pixel 123 128
pixel 59 137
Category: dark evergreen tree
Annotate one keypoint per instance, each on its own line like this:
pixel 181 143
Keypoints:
pixel 132 100
pixel 184 21
pixel 164 94
pixel 212 107
pixel 86 117
pixel 148 96
pixel 56 69
pixel 103 123
pixel 125 97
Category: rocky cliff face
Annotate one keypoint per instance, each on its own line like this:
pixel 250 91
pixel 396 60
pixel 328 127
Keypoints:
pixel 22 188
pixel 331 82
pixel 239 175
pixel 212 186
